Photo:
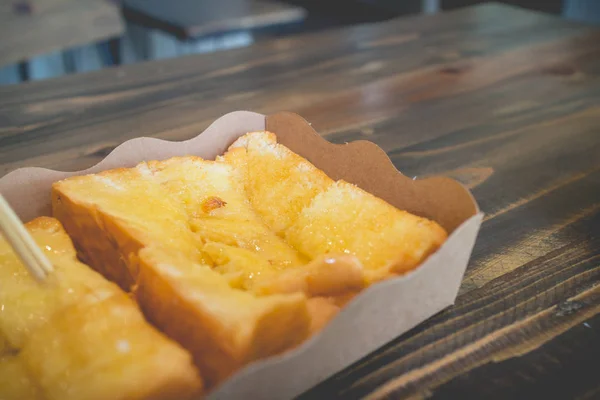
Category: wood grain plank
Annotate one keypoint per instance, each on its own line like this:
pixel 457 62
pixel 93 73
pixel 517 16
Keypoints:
pixel 502 99
pixel 542 374
pixel 175 107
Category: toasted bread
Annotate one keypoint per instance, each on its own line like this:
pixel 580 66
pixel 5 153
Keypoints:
pixel 279 183
pixel 223 327
pixel 212 194
pixel 79 336
pixel 345 219
pixel 324 276
pixel 102 348
pixel 15 381
pixel 243 257
pixel 318 217
pixel 193 206
pixel 112 215
pixel 323 310
pixel 26 304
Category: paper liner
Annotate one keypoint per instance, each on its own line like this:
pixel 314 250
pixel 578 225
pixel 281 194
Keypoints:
pixel 375 316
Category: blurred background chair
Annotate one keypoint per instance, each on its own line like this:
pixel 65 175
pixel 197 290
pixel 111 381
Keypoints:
pixel 159 28
pixel 44 38
pixel 178 27
pixel 547 6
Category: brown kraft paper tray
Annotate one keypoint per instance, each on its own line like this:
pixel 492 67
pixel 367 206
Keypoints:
pixel 381 312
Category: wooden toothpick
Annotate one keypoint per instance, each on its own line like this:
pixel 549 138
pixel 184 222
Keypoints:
pixel 23 244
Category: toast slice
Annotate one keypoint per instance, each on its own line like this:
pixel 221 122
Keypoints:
pixel 79 336
pixel 243 257
pixel 183 209
pixel 345 219
pixel 319 217
pixel 278 182
pixel 15 381
pixel 326 275
pixel 223 327
pixel 26 304
pixel 219 211
pixel 102 348
pixel 112 215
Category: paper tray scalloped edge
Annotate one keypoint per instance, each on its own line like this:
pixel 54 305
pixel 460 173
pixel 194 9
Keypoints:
pixel 376 316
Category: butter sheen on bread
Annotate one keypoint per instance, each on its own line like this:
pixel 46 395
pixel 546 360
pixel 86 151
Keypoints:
pixel 78 336
pixel 243 257
pixel 181 279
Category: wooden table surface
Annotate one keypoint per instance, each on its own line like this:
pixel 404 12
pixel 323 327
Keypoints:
pixel 34 27
pixel 505 100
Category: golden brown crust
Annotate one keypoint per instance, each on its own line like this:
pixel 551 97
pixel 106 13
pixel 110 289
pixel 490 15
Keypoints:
pixel 282 245
pixel 345 219
pixel 322 310
pixel 329 275
pixel 83 337
pixel 94 246
pixel 185 312
pixel 212 203
pixel 278 182
pixel 166 280
pixel 119 355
